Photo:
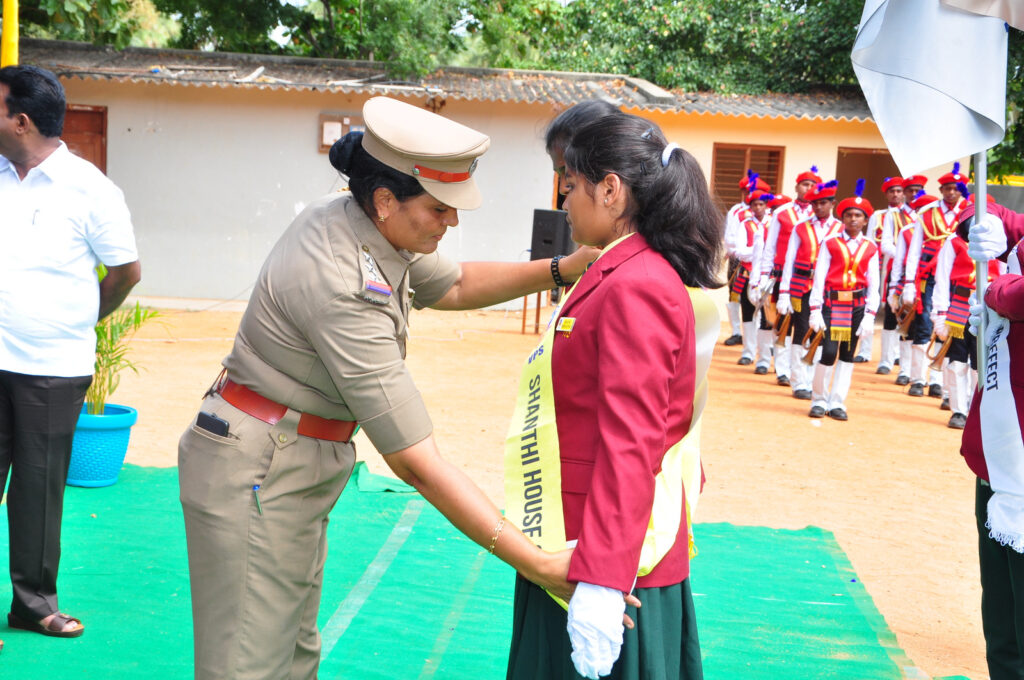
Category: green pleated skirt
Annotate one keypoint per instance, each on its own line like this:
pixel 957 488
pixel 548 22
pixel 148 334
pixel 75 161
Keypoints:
pixel 663 646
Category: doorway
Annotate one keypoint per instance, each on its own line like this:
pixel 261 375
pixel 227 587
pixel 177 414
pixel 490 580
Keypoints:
pixel 85 133
pixel 874 165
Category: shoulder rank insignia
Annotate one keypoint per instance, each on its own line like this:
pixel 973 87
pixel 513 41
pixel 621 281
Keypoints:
pixel 375 288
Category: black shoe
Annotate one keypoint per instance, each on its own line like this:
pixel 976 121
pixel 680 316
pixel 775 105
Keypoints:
pixel 944 406
pixel 838 414
pixel 916 390
pixel 957 421
pixel 761 370
pixel 859 359
pixel 935 391
pixel 817 412
pixel 882 370
pixel 896 361
pixel 745 361
pixel 802 394
pixel 902 380
pixel 733 340
pixel 782 380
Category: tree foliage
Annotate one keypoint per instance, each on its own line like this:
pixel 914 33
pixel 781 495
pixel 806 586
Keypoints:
pixel 109 22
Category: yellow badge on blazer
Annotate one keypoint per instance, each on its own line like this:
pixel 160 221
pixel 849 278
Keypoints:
pixel 565 325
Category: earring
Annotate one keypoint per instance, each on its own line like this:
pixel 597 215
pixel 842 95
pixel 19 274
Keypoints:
pixel 606 201
pixel 380 218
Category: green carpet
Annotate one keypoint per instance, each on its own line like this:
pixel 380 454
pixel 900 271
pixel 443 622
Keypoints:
pixel 406 596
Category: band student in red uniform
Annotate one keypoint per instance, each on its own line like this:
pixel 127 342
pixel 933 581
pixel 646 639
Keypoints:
pixel 785 215
pixel 795 289
pixel 934 224
pixel 757 333
pixel 843 300
pixel 955 281
pixel 734 217
pixel 903 238
pixel 883 227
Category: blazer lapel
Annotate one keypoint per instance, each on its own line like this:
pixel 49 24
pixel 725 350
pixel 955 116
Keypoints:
pixel 604 266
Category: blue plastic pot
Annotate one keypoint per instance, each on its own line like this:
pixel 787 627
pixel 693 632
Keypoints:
pixel 100 445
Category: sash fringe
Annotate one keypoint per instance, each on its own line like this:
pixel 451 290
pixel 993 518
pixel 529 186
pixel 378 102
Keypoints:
pixel 840 334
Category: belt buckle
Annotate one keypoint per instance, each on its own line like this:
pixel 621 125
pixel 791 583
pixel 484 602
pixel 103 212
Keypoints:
pixel 844 295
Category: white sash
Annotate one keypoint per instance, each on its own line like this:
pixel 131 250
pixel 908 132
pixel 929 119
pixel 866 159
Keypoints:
pixel 1001 435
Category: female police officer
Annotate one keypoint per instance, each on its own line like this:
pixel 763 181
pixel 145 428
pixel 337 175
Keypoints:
pixel 320 348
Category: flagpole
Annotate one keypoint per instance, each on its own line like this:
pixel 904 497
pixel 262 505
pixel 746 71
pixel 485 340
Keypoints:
pixel 981 266
pixel 9 38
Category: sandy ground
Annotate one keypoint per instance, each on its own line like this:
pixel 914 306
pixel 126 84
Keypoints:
pixel 889 483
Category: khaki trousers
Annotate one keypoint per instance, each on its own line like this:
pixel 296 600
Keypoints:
pixel 256 507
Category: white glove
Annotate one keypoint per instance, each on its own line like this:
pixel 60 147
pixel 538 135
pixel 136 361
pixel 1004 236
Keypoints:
pixel 977 309
pixel 867 326
pixel 595 628
pixel 817 321
pixel 784 306
pixel 753 294
pixel 909 292
pixel 894 301
pixel 987 238
pixel 940 327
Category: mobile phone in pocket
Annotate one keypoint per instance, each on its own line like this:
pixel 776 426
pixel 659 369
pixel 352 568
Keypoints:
pixel 212 424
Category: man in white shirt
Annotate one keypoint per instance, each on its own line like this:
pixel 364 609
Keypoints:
pixel 59 218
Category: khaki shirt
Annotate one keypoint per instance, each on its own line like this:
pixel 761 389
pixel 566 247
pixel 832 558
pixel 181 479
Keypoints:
pixel 318 339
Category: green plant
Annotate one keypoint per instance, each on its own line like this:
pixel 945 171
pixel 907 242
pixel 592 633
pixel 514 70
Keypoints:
pixel 112 335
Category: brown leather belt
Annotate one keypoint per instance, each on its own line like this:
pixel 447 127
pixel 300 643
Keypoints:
pixel 270 412
pixel 846 295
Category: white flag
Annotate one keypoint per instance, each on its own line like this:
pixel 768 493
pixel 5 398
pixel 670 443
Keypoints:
pixel 1010 11
pixel 934 78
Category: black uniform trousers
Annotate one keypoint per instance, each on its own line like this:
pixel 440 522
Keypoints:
pixel 38 415
pixel 1002 597
pixel 845 350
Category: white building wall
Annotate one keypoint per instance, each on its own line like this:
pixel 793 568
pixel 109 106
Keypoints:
pixel 214 175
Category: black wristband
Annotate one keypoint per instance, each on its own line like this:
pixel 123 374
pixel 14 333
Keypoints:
pixel 555 274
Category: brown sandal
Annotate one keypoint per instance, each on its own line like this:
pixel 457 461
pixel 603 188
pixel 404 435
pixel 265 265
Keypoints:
pixel 55 627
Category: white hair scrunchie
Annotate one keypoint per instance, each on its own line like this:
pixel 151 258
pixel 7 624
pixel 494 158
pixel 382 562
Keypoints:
pixel 666 155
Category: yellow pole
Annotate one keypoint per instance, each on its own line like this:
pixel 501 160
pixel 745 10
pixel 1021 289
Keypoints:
pixel 9 39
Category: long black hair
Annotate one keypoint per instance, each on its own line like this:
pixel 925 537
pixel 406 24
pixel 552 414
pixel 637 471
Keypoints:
pixel 366 174
pixel 561 129
pixel 669 204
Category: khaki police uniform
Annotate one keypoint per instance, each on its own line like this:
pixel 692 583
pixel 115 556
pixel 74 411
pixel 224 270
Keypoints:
pixel 320 347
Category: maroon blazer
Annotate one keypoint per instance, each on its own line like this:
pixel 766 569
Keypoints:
pixel 623 382
pixel 1005 296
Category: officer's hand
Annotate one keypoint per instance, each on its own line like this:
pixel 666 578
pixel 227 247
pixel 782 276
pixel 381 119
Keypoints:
pixel 571 267
pixel 817 321
pixel 784 306
pixel 987 238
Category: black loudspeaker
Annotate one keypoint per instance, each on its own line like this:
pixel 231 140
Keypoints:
pixel 551 235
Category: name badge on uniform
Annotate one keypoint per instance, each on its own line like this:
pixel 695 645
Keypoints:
pixel 565 324
pixel 375 287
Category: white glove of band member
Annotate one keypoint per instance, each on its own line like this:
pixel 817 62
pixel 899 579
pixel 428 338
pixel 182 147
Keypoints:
pixel 909 293
pixel 784 306
pixel 817 321
pixel 595 628
pixel 894 301
pixel 867 326
pixel 753 294
pixel 987 238
pixel 977 309
pixel 940 327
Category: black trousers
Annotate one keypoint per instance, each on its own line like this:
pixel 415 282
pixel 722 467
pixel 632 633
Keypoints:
pixel 1002 597
pixel 38 415
pixel 747 308
pixel 921 327
pixel 845 350
pixel 801 321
